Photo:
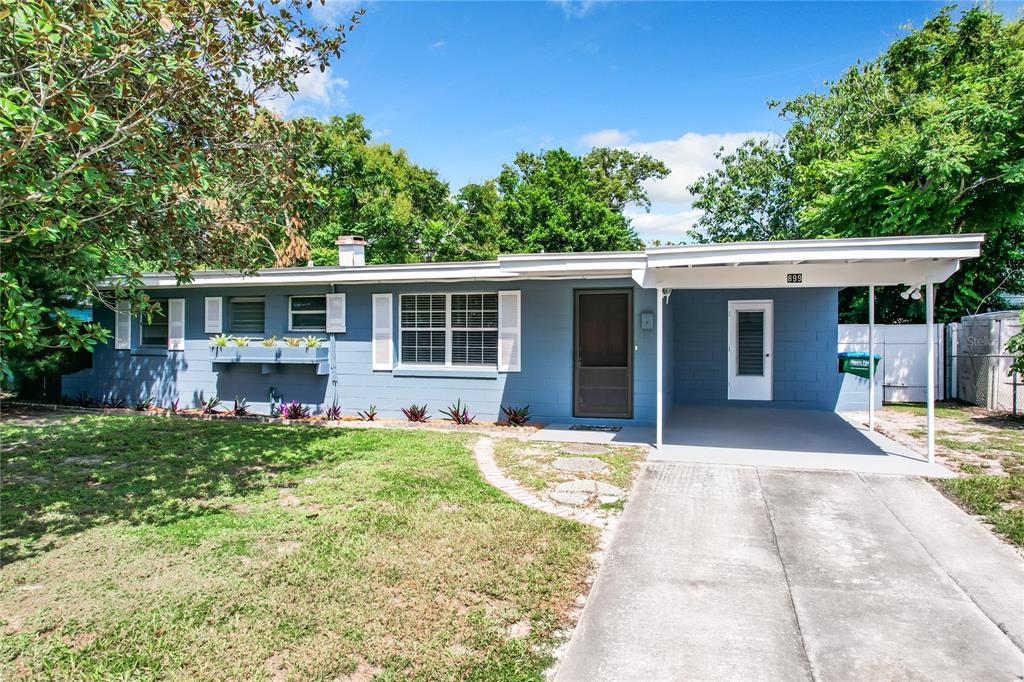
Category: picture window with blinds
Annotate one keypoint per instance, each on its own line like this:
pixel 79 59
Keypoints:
pixel 246 315
pixel 307 313
pixel 449 329
pixel 154 329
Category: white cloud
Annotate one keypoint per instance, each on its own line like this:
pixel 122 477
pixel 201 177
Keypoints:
pixel 317 90
pixel 607 137
pixel 334 11
pixel 688 157
pixel 667 227
pixel 437 46
pixel 574 9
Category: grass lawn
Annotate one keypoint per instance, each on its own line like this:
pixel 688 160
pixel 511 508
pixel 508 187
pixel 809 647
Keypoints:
pixel 988 450
pixel 142 547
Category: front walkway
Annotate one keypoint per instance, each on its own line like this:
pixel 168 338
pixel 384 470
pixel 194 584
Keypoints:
pixel 766 437
pixel 728 573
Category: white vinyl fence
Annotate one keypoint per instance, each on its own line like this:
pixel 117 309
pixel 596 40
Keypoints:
pixel 904 366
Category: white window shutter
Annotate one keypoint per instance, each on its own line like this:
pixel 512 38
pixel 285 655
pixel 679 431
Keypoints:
pixel 509 331
pixel 335 313
pixel 214 315
pixel 383 343
pixel 123 326
pixel 176 323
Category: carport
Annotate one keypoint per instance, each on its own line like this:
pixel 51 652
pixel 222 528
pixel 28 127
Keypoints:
pixel 763 436
pixel 747 425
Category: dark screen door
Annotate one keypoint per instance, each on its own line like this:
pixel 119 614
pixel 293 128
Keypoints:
pixel 603 372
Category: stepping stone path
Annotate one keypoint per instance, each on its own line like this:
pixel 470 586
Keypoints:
pixel 584 449
pixel 579 465
pixel 579 492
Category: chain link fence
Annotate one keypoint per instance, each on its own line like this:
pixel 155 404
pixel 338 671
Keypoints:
pixel 981 364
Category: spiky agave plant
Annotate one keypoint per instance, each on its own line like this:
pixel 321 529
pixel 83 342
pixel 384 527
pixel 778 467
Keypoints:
pixel 210 406
pixel 143 405
pixel 370 414
pixel 459 413
pixel 517 416
pixel 332 413
pixel 240 408
pixel 416 413
pixel 294 410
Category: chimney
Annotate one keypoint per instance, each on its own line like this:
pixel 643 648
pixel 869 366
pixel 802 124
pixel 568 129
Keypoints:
pixel 351 251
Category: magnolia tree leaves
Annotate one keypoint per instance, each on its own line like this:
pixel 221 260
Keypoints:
pixel 132 138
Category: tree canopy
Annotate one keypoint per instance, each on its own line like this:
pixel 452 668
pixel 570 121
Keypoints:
pixel 549 201
pixel 927 139
pixel 132 137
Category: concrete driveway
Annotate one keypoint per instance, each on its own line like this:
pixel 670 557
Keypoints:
pixel 739 573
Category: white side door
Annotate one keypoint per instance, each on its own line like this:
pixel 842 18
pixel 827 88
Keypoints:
pixel 750 350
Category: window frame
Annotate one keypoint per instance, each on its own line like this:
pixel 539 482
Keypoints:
pixel 291 325
pixel 165 307
pixel 243 299
pixel 448 330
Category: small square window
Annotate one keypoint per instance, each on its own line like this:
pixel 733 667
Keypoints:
pixel 246 315
pixel 307 313
pixel 154 329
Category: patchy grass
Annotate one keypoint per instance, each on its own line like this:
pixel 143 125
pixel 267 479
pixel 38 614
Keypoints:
pixel 530 462
pixel 1000 499
pixel 986 448
pixel 947 410
pixel 144 548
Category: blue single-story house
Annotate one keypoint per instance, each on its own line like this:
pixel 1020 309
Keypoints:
pixel 584 338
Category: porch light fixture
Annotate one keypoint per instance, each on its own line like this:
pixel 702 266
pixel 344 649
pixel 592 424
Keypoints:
pixel 913 291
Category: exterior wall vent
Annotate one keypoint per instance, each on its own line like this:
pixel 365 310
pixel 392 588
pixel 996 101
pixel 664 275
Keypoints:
pixel 351 251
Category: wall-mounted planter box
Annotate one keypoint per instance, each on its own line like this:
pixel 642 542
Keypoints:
pixel 269 357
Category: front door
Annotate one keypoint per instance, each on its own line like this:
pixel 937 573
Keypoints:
pixel 603 352
pixel 750 350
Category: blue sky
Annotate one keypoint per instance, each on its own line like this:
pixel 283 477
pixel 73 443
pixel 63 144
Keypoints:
pixel 464 85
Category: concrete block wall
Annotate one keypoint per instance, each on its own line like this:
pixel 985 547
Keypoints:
pixel 805 323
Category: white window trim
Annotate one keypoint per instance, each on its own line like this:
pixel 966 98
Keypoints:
pixel 293 328
pixel 448 330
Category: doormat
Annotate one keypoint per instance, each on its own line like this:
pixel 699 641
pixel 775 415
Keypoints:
pixel 605 429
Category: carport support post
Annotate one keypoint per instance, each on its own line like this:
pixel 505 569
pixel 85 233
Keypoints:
pixel 660 343
pixel 929 308
pixel 871 357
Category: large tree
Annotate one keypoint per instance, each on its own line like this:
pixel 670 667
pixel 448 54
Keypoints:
pixel 929 138
pixel 131 137
pixel 556 201
pixel 359 187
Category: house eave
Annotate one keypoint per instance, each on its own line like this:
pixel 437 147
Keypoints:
pixel 827 262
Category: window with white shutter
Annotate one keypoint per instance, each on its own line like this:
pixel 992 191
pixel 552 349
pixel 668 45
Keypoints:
pixel 335 313
pixel 509 331
pixel 214 315
pixel 382 344
pixel 123 326
pixel 176 324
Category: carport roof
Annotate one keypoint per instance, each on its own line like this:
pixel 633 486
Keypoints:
pixel 809 262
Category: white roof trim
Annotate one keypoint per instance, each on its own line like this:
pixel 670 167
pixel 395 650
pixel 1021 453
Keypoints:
pixel 818 251
pixel 855 254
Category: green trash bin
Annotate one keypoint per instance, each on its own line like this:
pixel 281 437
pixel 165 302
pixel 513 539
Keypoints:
pixel 856 363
